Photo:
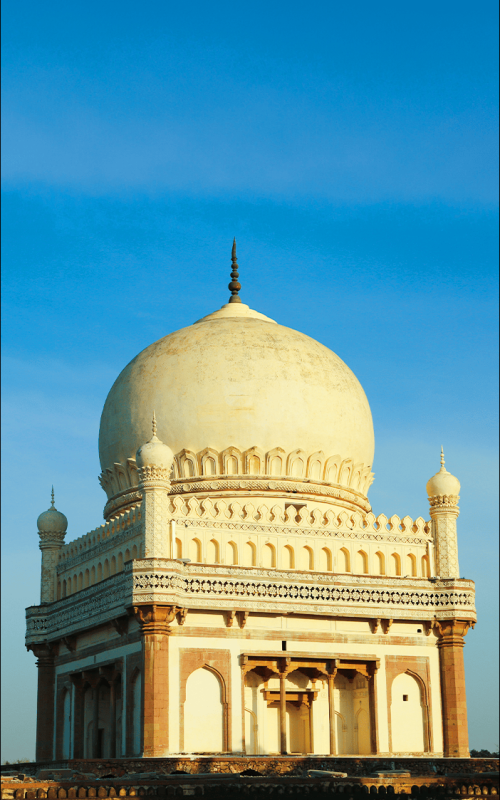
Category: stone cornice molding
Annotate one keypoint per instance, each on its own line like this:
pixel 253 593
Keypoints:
pixel 165 582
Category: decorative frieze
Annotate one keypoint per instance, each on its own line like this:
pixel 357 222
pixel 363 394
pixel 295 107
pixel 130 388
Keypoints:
pixel 173 583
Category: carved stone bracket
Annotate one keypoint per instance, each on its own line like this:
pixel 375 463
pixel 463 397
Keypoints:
pixel 452 631
pixel 70 642
pixel 387 625
pixel 155 619
pixel 375 625
pixel 181 615
pixel 230 617
pixel 243 615
pixel 120 624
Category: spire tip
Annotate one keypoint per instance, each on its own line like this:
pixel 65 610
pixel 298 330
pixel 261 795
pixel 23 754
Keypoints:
pixel 234 286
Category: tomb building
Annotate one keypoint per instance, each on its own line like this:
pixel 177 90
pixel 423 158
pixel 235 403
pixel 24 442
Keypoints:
pixel 241 597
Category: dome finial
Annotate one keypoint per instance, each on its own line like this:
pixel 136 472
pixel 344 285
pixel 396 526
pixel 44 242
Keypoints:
pixel 442 458
pixel 52 495
pixel 154 424
pixel 234 286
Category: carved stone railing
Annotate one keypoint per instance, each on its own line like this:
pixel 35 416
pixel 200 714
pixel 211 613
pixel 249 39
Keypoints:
pixel 250 589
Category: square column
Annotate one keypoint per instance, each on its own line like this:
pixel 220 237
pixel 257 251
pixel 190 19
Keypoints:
pixel 451 663
pixel 154 621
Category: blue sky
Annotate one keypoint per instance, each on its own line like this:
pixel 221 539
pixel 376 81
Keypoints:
pixel 351 148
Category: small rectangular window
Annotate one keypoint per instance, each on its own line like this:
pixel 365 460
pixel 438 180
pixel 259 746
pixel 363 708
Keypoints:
pixel 405 697
pixel 283 645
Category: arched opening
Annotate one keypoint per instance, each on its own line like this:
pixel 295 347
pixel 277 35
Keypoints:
pixel 425 567
pixel 127 554
pixel 134 552
pixel 66 732
pixel 249 554
pixel 113 565
pixel 204 713
pixel 80 581
pixel 136 714
pixel 231 553
pixel 306 558
pixel 411 565
pixel 380 562
pixel 99 572
pixel 120 562
pixel 395 564
pixel 106 568
pixel 288 557
pixel 59 589
pixel 92 576
pixel 325 560
pixel 213 552
pixel 407 715
pixel 268 556
pixel 361 563
pixel 344 560
pixel 195 551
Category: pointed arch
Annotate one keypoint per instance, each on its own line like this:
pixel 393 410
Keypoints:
pixel 380 562
pixel 361 563
pixel 269 556
pixel 326 561
pixel 411 565
pixel 232 553
pixel 426 573
pixel 344 560
pixel 113 566
pixel 288 557
pixel 195 550
pixel 178 548
pixel 249 554
pixel 106 568
pixel 213 552
pixel 120 561
pixel 395 564
pixel 306 558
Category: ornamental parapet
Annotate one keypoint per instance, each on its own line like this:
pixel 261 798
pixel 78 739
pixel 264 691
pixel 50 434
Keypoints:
pixel 250 589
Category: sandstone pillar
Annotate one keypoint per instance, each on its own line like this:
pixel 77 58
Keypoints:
pixel 451 662
pixel 331 709
pixel 154 621
pixel 45 701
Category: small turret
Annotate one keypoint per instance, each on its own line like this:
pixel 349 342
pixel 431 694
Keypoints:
pixel 154 465
pixel 443 491
pixel 52 526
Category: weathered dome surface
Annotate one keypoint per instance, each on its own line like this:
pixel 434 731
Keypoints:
pixel 52 521
pixel 237 379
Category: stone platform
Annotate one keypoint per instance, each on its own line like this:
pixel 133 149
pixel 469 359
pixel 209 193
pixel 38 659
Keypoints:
pixel 249 777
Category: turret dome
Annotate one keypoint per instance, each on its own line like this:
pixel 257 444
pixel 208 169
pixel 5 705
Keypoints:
pixel 443 483
pixel 52 520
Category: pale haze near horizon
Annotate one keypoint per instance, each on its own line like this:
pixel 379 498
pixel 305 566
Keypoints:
pixel 351 149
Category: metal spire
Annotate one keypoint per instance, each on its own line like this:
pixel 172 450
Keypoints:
pixel 154 424
pixel 442 458
pixel 52 495
pixel 234 286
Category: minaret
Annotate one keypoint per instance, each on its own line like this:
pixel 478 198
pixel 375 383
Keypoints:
pixel 52 527
pixel 443 490
pixel 154 462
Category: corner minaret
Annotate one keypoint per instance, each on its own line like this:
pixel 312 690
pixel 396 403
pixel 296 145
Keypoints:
pixel 154 463
pixel 443 491
pixel 52 527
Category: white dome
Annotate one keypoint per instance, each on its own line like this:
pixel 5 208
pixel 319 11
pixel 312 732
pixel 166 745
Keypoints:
pixel 236 379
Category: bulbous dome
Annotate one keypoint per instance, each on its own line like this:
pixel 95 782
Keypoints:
pixel 443 483
pixel 154 453
pixel 52 520
pixel 236 378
